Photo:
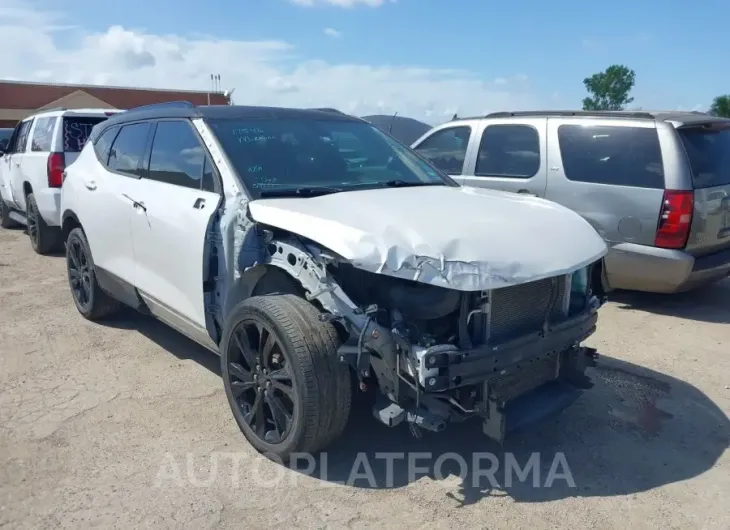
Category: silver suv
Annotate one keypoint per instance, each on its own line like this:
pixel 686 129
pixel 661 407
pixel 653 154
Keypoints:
pixel 655 185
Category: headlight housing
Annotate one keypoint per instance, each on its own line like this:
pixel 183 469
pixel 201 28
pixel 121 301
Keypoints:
pixel 578 290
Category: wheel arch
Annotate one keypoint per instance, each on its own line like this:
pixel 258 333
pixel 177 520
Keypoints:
pixel 69 221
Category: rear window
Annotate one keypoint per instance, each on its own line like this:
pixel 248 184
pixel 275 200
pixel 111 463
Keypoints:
pixel 76 131
pixel 43 134
pixel 708 151
pixel 620 156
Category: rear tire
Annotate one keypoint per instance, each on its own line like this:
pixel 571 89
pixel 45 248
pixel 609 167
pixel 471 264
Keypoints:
pixel 5 220
pixel 43 238
pixel 90 300
pixel 277 355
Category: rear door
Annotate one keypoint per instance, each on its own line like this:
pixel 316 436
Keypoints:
pixel 609 171
pixel 510 156
pixel 106 207
pixel 15 165
pixel 708 153
pixel 448 147
pixel 179 194
pixel 35 159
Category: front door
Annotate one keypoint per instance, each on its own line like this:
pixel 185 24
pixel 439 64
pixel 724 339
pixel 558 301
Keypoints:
pixel 447 148
pixel 177 197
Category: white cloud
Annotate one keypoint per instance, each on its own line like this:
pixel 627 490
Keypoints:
pixel 331 32
pixel 263 72
pixel 340 3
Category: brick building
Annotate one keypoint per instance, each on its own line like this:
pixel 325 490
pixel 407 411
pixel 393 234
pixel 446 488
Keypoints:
pixel 19 99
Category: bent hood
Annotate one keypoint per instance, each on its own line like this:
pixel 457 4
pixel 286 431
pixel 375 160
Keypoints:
pixel 468 239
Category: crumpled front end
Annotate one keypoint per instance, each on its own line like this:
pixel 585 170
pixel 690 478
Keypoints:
pixel 439 355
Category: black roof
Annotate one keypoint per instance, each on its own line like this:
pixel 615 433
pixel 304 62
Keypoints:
pixel 677 117
pixel 184 109
pixel 407 130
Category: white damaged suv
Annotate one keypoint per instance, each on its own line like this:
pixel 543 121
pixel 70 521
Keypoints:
pixel 316 254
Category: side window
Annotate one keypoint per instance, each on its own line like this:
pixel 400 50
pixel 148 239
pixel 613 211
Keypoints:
pixel 127 151
pixel 23 136
pixel 43 134
pixel 446 149
pixel 104 142
pixel 210 182
pixel 621 156
pixel 509 151
pixel 13 140
pixel 177 155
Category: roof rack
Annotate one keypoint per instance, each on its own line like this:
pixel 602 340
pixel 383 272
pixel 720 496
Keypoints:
pixel 51 109
pixel 165 105
pixel 587 113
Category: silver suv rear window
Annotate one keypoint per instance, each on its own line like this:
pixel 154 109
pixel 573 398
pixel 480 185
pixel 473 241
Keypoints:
pixel 708 152
pixel 76 131
pixel 618 156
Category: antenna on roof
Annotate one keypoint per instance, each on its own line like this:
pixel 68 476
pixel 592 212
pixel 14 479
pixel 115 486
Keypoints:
pixel 455 116
pixel 390 127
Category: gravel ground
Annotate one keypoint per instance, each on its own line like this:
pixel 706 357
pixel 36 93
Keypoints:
pixel 125 425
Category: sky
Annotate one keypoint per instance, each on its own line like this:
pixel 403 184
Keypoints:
pixel 427 59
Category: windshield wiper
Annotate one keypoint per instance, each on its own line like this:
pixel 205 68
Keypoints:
pixel 406 184
pixel 301 192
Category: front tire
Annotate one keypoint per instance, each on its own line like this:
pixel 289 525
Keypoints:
pixel 43 238
pixel 90 300
pixel 287 390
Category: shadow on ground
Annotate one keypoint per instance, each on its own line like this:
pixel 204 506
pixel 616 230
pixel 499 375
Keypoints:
pixel 635 430
pixel 705 304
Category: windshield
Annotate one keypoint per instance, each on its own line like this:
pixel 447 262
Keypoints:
pixel 708 151
pixel 275 157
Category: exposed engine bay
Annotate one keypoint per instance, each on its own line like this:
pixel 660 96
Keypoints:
pixel 439 355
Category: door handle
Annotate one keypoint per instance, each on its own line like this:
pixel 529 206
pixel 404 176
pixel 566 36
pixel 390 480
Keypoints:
pixel 199 203
pixel 527 192
pixel 90 185
pixel 135 204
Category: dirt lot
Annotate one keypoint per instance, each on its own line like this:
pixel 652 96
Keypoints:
pixel 125 425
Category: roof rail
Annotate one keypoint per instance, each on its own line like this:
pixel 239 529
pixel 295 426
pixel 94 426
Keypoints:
pixel 325 109
pixel 587 113
pixel 51 109
pixel 165 105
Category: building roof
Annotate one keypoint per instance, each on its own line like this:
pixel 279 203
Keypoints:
pixel 25 95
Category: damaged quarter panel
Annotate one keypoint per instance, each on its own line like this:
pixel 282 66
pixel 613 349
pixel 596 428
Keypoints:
pixel 459 238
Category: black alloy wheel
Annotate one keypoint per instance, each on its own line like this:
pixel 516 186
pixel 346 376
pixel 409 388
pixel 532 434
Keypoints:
pixel 79 273
pixel 286 387
pixel 91 301
pixel 261 381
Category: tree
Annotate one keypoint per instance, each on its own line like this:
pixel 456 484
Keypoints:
pixel 721 106
pixel 609 90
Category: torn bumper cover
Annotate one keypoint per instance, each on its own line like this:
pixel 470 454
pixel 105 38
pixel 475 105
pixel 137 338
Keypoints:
pixel 509 385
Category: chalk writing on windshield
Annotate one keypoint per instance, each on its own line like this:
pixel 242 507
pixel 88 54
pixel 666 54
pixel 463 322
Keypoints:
pixel 265 182
pixel 250 135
